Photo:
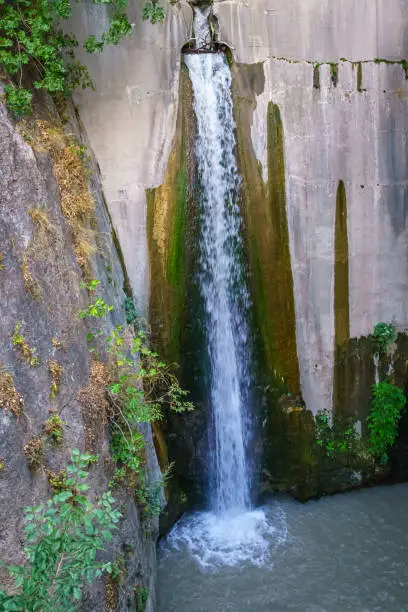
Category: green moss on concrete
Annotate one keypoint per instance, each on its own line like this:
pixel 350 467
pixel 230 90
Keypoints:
pixel 341 300
pixel 176 264
pixel 167 221
pixel 360 77
pixel 266 233
pixel 334 73
pixel 341 269
pixel 278 319
pixel 316 76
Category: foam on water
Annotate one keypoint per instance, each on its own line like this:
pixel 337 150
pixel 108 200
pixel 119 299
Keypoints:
pixel 231 538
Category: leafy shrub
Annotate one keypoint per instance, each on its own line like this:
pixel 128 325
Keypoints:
pixel 153 12
pixel 99 309
pixel 30 34
pixel 388 403
pixel 18 100
pixel 143 385
pixel 63 537
pixel 384 334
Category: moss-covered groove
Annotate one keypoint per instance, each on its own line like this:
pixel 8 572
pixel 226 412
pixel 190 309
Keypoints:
pixel 174 308
pixel 266 229
pixel 341 299
pixel 167 219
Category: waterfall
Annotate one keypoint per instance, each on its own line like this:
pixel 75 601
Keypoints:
pixel 222 282
pixel 231 532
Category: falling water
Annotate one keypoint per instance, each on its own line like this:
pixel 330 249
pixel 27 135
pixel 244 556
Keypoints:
pixel 231 532
pixel 222 282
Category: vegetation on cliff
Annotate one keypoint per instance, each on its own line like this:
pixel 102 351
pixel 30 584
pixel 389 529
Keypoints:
pixel 141 386
pixel 63 536
pixel 32 39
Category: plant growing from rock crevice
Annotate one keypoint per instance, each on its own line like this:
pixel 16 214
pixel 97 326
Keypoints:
pixel 142 387
pixel 25 351
pixel 63 537
pixel 34 452
pixel 55 371
pixel 10 399
pixel 53 429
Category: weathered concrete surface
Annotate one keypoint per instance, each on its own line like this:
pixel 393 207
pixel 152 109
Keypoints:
pixel 51 326
pixel 331 134
pixel 315 30
pixel 131 120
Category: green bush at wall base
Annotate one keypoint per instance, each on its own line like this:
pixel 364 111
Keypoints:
pixel 388 403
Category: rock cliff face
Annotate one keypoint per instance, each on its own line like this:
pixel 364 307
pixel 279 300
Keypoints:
pixel 54 232
pixel 322 87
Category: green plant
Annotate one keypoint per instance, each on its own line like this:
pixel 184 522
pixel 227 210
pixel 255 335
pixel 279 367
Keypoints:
pixel 118 478
pixel 153 12
pixel 63 537
pixel 21 344
pixel 53 429
pixel 31 37
pixel 384 334
pixel 126 447
pixel 141 598
pixel 90 285
pixel 99 309
pixel 130 310
pixel 335 439
pixel 144 384
pixel 55 371
pixel 386 408
pixel 18 100
pixel 57 480
pixel 149 494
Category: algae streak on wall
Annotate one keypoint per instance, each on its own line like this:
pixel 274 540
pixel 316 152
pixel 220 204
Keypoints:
pixel 174 309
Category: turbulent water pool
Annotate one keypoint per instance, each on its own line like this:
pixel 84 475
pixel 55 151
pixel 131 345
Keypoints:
pixel 347 552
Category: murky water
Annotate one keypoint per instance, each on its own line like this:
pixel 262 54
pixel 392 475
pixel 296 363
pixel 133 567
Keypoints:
pixel 347 552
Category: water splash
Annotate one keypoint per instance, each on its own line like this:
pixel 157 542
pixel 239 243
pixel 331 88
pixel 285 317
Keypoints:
pixel 231 538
